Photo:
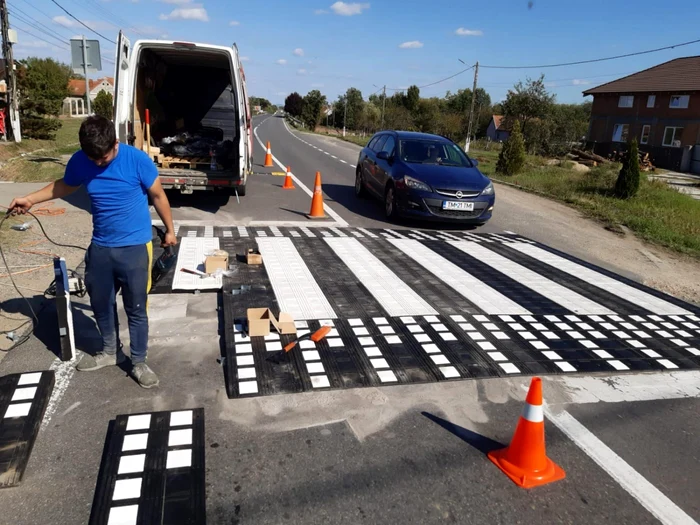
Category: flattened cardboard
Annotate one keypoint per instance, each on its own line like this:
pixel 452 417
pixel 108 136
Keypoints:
pixel 259 321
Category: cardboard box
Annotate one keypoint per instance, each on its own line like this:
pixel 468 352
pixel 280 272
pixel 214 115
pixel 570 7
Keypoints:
pixel 214 262
pixel 259 321
pixel 253 257
pixel 285 323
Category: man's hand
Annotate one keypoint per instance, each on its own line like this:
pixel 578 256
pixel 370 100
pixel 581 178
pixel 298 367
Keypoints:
pixel 170 240
pixel 20 205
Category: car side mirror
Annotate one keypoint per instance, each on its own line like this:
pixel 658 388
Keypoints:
pixel 383 155
pixel 475 162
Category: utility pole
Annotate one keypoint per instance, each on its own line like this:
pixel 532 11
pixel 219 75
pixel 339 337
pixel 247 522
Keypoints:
pixel 87 80
pixel 471 111
pixel 345 116
pixel 10 74
pixel 383 106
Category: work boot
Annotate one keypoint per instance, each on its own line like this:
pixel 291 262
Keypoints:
pixel 88 362
pixel 145 376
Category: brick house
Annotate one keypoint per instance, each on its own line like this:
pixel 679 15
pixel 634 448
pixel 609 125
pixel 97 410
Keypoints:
pixel 496 130
pixel 659 106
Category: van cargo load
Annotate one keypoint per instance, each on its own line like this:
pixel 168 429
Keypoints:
pixel 186 105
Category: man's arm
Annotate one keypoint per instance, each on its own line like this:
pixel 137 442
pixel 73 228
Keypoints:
pixel 162 206
pixel 55 190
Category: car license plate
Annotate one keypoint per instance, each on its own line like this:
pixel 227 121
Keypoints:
pixel 461 206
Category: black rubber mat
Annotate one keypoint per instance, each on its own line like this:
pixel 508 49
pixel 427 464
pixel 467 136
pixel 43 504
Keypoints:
pixel 23 401
pixel 152 470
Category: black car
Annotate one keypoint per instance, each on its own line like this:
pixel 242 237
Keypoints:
pixel 424 176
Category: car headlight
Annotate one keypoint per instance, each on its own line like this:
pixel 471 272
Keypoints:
pixel 415 184
pixel 488 190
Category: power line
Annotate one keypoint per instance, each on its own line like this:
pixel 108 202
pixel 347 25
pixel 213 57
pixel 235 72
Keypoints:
pixel 18 12
pixel 28 20
pixel 105 14
pixel 579 62
pixel 437 81
pixel 40 38
pixel 82 23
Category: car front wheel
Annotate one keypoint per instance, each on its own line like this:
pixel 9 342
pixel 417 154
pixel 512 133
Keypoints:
pixel 360 190
pixel 390 203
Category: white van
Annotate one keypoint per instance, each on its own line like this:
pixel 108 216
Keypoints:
pixel 199 121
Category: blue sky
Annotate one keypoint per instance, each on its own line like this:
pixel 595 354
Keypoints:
pixel 317 44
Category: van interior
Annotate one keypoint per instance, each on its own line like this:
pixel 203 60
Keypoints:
pixel 192 104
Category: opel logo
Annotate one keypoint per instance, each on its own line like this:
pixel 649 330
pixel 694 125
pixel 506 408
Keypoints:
pixel 459 195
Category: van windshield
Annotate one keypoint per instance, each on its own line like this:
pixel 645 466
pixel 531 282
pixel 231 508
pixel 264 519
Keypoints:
pixel 416 151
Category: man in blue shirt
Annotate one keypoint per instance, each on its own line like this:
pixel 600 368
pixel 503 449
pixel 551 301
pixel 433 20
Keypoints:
pixel 119 179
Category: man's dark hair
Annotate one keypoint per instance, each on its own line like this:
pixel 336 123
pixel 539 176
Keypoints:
pixel 97 136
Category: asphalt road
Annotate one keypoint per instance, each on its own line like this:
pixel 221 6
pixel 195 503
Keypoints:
pixel 402 454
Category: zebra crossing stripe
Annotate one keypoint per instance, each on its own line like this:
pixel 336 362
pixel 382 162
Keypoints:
pixel 296 290
pixel 479 293
pixel 555 292
pixel 242 231
pixel 610 285
pixel 307 232
pixel 368 233
pixel 395 296
pixel 209 231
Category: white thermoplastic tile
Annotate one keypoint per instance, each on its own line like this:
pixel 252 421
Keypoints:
pixel 296 289
pixel 610 285
pixel 395 296
pixel 476 291
pixel 191 255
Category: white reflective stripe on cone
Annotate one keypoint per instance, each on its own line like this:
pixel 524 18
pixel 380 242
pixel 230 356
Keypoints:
pixel 533 413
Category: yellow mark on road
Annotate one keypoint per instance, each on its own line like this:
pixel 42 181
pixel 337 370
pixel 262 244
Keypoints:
pixel 278 173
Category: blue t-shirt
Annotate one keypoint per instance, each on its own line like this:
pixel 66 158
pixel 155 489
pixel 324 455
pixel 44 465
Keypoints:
pixel 118 195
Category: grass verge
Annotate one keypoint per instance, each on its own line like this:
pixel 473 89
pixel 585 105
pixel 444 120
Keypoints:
pixel 658 213
pixel 42 158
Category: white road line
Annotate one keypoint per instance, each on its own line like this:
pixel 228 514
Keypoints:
pixel 63 371
pixel 632 481
pixel 319 149
pixel 302 186
pixel 296 289
pixel 395 296
pixel 341 160
pixel 483 296
pixel 613 286
pixel 555 292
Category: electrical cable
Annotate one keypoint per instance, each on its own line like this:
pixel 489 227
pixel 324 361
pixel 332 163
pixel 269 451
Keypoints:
pixel 83 23
pixel 34 318
pixel 28 19
pixel 437 81
pixel 591 61
pixel 64 46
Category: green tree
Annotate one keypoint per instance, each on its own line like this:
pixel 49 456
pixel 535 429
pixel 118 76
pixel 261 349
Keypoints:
pixel 355 109
pixel 294 104
pixel 526 102
pixel 103 105
pixel 511 160
pixel 627 183
pixel 43 85
pixel 412 98
pixel 314 102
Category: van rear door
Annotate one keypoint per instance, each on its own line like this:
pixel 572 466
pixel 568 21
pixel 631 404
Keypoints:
pixel 122 92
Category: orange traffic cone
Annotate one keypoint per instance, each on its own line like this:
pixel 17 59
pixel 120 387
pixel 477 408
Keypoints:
pixel 525 461
pixel 288 184
pixel 268 156
pixel 317 200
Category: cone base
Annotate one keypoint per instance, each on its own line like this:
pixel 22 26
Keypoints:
pixel 270 165
pixel 309 216
pixel 552 472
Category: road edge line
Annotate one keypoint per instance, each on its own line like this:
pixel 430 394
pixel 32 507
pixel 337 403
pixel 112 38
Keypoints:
pixel 651 498
pixel 338 219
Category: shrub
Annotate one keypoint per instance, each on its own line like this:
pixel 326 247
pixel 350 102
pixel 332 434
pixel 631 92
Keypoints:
pixel 511 160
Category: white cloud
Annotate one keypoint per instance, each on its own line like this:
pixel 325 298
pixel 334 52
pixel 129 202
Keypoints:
pixel 32 44
pixel 298 52
pixel 281 93
pixel 578 82
pixel 69 22
pixel 468 32
pixel 282 62
pixel 234 23
pixel 550 84
pixel 245 59
pixel 148 30
pixel 413 44
pixel 321 12
pixel 301 71
pixel 193 12
pixel 176 2
pixel 317 85
pixel 343 9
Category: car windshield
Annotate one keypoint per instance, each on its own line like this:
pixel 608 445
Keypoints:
pixel 418 151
